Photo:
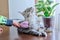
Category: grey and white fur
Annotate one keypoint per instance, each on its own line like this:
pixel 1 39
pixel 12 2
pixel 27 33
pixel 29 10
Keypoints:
pixel 34 24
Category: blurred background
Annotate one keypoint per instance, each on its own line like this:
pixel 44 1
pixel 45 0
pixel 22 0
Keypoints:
pixel 10 9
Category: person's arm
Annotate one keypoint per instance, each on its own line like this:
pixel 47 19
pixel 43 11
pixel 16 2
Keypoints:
pixel 8 22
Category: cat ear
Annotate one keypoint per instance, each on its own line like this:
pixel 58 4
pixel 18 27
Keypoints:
pixel 28 9
pixel 31 9
pixel 21 12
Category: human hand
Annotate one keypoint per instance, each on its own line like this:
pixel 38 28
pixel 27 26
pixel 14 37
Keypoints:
pixel 22 24
pixel 16 24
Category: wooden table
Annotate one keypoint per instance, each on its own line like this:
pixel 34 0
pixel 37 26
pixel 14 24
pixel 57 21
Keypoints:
pixel 30 37
pixel 25 37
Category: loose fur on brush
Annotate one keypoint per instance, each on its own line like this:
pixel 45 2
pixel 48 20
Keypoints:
pixel 34 23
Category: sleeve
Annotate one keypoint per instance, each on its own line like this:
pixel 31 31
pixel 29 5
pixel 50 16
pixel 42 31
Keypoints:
pixel 5 21
pixel 9 22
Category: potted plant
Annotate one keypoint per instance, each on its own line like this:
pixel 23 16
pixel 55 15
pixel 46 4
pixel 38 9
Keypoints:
pixel 48 9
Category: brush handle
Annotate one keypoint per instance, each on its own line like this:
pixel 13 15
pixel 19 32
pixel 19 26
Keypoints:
pixel 24 24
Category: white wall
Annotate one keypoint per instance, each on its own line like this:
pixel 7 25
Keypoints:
pixel 18 5
pixel 57 24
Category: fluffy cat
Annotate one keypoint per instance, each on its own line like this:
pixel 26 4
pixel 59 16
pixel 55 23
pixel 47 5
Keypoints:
pixel 34 23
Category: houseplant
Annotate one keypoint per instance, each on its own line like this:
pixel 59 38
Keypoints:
pixel 48 9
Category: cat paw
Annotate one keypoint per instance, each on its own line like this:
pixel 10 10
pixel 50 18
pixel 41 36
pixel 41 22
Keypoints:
pixel 43 34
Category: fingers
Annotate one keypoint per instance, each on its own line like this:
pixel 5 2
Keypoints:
pixel 16 24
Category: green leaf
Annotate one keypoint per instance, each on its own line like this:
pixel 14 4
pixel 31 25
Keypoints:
pixel 49 2
pixel 55 5
pixel 52 13
pixel 49 8
pixel 46 14
pixel 40 1
pixel 45 7
pixel 39 10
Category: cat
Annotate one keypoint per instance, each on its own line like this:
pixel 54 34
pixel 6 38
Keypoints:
pixel 34 23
